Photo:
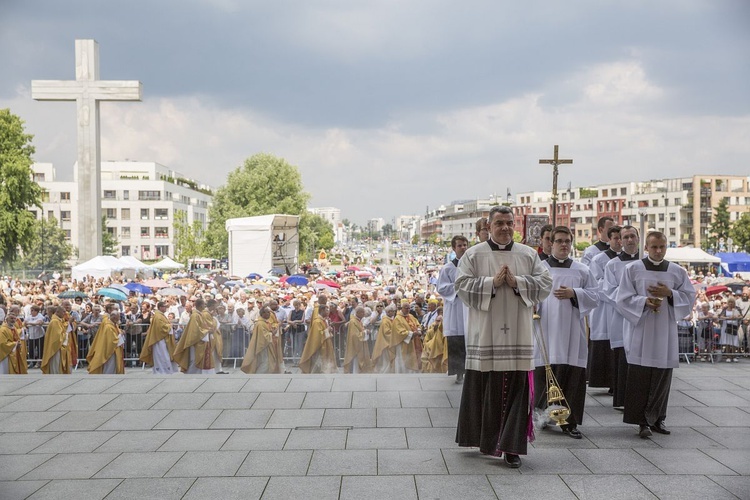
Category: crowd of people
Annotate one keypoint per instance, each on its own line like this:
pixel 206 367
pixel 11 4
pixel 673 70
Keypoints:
pixel 514 325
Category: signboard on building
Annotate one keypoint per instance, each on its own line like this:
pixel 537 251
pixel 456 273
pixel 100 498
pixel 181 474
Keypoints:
pixel 533 229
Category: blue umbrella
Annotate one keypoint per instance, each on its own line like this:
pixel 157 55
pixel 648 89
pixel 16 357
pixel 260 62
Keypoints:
pixel 233 283
pixel 277 271
pixel 297 280
pixel 112 293
pixel 139 287
pixel 120 287
pixel 255 276
pixel 72 294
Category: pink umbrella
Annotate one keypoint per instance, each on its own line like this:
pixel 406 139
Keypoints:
pixel 156 283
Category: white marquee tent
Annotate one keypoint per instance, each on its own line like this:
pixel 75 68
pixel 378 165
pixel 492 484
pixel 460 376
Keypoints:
pixel 257 244
pixel 167 264
pixel 691 255
pixel 102 266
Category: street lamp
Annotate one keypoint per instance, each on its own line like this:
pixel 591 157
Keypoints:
pixel 643 213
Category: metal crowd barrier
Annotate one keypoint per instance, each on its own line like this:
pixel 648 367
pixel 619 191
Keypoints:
pixel 701 340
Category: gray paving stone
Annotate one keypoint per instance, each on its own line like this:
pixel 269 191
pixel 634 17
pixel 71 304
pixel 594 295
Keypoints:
pixel 399 462
pixel 435 437
pixel 277 400
pixel 524 487
pixel 552 461
pixel 234 401
pixel 90 489
pixel 80 421
pixel 258 384
pixel 312 439
pixel 182 401
pixel 310 384
pixel 6 400
pixel 343 463
pixel 615 462
pixel 227 488
pixel 378 488
pixel 744 394
pixel 724 416
pixel 377 438
pixel 606 417
pixel 11 384
pixel 454 398
pixel 317 487
pixel 136 420
pixel 730 437
pixel 682 438
pixel 29 421
pixel 350 417
pixel 398 383
pixel 134 386
pixel 93 385
pixel 403 417
pixel 14 466
pixel 135 465
pixel 440 382
pixel 680 398
pixel 737 460
pixel 196 440
pixel 208 463
pixel 178 384
pixel 589 487
pixel 354 384
pixel 455 486
pixel 46 385
pixel 737 485
pixel 135 441
pixel 188 419
pixel 604 437
pixel 228 385
pixel 75 442
pixel 552 437
pixel 133 402
pixel 685 487
pixel 380 399
pixel 276 463
pixel 288 419
pixel 70 466
pixel 443 417
pixel 256 439
pixel 84 402
pixel 37 402
pixel 242 419
pixel 684 461
pixel 684 417
pixel 424 399
pixel 19 490
pixel 328 400
pixel 152 488
pixel 12 443
pixel 471 461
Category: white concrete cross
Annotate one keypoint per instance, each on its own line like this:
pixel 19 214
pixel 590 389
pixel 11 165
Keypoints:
pixel 87 90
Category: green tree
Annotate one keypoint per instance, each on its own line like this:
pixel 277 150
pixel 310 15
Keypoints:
pixel 314 233
pixel 49 249
pixel 720 226
pixel 582 245
pixel 188 238
pixel 109 242
pixel 740 232
pixel 387 230
pixel 264 184
pixel 18 192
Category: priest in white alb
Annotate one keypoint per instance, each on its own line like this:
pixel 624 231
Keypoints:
pixel 500 282
pixel 575 293
pixel 653 295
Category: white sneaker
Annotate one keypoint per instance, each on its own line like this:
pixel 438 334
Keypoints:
pixel 736 360
pixel 729 360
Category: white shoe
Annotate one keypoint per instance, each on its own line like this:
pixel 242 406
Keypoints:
pixel 729 360
pixel 736 360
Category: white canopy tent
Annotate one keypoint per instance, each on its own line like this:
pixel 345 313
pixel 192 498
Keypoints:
pixel 167 264
pixel 102 266
pixel 691 255
pixel 257 244
pixel 140 268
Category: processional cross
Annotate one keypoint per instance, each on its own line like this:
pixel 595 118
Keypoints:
pixel 87 90
pixel 554 162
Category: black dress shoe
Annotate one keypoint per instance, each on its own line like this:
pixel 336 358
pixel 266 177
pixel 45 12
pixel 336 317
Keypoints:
pixel 573 432
pixel 512 461
pixel 660 428
pixel 644 432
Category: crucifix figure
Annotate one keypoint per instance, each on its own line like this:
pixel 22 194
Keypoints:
pixel 554 162
pixel 87 90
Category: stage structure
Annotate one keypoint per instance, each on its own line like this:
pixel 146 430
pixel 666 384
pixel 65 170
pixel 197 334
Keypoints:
pixel 259 244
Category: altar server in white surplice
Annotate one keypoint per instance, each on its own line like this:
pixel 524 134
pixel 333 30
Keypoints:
pixel 616 324
pixel 575 293
pixel 454 311
pixel 653 295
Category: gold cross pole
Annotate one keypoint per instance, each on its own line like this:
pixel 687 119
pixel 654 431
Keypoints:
pixel 554 162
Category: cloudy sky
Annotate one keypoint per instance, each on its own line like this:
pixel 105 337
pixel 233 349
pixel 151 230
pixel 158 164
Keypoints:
pixel 388 107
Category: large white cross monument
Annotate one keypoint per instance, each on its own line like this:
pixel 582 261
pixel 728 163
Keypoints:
pixel 87 90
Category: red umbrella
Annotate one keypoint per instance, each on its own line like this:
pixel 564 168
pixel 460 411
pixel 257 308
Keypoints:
pixel 352 268
pixel 330 283
pixel 715 290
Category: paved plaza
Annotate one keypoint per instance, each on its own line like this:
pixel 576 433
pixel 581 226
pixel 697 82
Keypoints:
pixel 349 437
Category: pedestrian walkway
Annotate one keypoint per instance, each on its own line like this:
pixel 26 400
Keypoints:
pixel 349 437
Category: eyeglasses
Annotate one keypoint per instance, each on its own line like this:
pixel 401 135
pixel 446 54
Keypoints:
pixel 562 242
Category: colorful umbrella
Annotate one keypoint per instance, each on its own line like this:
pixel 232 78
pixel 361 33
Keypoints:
pixel 255 276
pixel 139 288
pixel 297 280
pixel 72 294
pixel 113 293
pixel 164 292
pixel 330 283
pixel 120 287
pixel 715 290
pixel 156 283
